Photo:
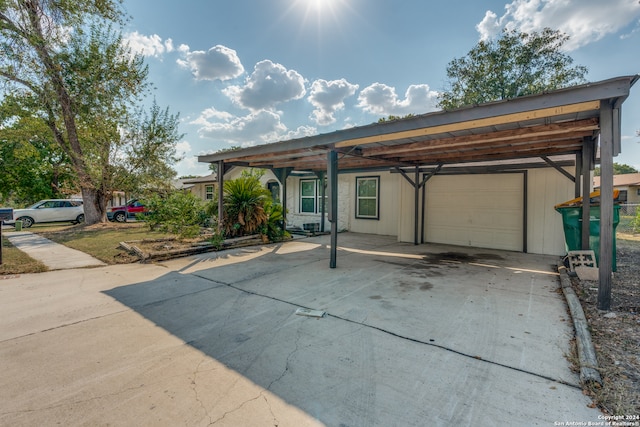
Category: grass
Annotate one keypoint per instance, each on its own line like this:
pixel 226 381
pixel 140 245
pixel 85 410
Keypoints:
pixel 14 261
pixel 102 240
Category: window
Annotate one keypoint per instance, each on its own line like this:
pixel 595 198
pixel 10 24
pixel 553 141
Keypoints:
pixel 367 197
pixel 208 192
pixel 638 193
pixel 311 196
pixel 622 197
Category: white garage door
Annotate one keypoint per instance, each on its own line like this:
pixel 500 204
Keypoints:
pixel 484 211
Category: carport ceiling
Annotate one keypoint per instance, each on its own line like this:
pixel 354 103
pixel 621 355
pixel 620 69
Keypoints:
pixel 551 124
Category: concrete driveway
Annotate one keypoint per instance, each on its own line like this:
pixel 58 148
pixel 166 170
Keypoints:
pixel 413 336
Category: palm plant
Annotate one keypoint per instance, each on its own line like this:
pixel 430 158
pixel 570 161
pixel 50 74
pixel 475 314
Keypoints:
pixel 244 200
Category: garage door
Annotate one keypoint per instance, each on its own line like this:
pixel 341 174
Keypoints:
pixel 484 211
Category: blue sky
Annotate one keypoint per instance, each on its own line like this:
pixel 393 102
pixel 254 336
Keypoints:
pixel 248 72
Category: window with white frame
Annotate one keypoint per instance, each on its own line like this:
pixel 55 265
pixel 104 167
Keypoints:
pixel 208 192
pixel 311 196
pixel 368 197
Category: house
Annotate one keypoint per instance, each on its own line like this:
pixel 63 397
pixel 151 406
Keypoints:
pixel 203 186
pixel 484 176
pixel 629 186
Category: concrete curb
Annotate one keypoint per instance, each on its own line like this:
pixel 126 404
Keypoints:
pixel 586 352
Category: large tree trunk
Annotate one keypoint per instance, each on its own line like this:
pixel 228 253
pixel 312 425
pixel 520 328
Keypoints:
pixel 94 206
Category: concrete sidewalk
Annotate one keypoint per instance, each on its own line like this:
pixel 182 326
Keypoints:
pixel 53 255
pixel 414 335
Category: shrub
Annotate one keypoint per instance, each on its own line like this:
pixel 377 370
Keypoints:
pixel 179 212
pixel 274 227
pixel 635 222
pixel 244 200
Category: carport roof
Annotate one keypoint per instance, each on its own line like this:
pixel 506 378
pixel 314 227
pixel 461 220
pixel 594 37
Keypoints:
pixel 549 124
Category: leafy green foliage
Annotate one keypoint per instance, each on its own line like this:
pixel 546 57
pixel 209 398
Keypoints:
pixel 618 169
pixel 515 64
pixel 244 200
pixel 32 166
pixel 145 151
pixel 69 68
pixel 180 213
pixel 274 227
pixel 393 118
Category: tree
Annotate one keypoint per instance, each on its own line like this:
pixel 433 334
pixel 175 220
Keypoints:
pixel 515 64
pixel 141 158
pixel 32 166
pixel 78 77
pixel 618 169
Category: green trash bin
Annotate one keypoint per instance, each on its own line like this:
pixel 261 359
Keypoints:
pixel 572 224
pixel 18 225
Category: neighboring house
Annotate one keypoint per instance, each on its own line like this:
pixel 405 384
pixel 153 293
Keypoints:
pixel 204 187
pixel 628 184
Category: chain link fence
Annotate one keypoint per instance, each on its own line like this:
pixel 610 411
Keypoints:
pixel 629 218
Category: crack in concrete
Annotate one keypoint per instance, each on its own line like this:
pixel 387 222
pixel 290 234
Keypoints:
pixel 194 388
pixel 237 408
pixel 288 361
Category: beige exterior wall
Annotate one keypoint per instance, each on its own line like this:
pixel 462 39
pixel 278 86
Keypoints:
pixel 200 190
pixel 632 194
pixel 547 188
pixel 387 224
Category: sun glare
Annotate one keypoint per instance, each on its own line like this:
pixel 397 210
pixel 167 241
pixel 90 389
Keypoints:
pixel 319 5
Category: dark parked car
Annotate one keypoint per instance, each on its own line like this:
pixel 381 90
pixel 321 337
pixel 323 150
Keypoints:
pixel 129 211
pixel 51 210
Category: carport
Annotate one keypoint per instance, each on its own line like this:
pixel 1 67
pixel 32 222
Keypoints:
pixel 577 126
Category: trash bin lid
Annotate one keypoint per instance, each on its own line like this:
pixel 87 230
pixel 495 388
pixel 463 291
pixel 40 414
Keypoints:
pixel 594 199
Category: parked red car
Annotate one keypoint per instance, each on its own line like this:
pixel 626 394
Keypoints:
pixel 129 211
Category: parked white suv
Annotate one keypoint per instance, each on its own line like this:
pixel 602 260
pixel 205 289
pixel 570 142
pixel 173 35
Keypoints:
pixel 51 210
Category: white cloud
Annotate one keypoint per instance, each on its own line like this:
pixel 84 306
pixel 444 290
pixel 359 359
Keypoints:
pixel 328 97
pixel 253 129
pixel 148 45
pixel 268 85
pixel 218 63
pixel 300 132
pixel 183 148
pixel 382 100
pixel 585 21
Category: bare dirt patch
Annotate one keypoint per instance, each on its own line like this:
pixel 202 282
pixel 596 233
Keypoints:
pixel 616 334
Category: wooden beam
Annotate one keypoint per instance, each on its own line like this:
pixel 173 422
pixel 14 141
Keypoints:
pixel 332 176
pixel 587 167
pixel 537 132
pixel 558 168
pixel 492 146
pixel 479 154
pixel 605 264
pixel 473 124
pixel 220 177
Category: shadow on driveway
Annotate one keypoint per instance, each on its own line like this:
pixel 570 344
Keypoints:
pixel 414 335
